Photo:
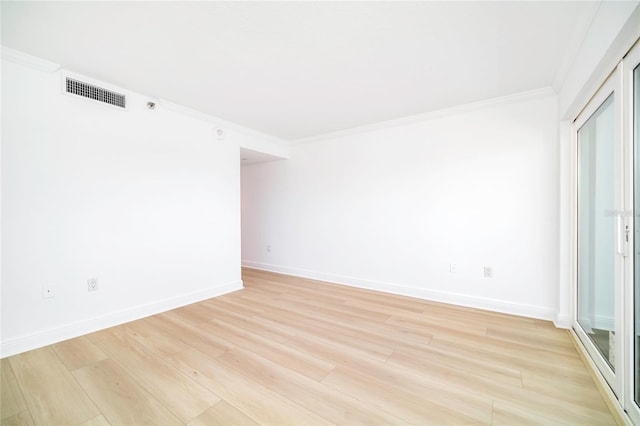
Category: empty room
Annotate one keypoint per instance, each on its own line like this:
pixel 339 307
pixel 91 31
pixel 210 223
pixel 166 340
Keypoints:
pixel 320 212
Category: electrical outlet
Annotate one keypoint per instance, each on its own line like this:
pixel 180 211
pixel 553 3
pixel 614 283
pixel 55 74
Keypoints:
pixel 269 248
pixel 488 272
pixel 48 292
pixel 453 268
pixel 92 284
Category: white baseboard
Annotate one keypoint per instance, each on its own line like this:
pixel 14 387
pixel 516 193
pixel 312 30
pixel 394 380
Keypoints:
pixel 562 321
pixel 502 306
pixel 69 331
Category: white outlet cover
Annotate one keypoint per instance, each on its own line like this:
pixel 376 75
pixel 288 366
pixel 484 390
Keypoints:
pixel 48 292
pixel 92 284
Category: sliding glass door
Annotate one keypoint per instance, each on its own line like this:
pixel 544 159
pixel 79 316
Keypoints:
pixel 596 235
pixel 607 286
pixel 600 221
pixel 632 296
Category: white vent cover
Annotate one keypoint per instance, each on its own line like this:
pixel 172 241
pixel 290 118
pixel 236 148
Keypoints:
pixel 86 90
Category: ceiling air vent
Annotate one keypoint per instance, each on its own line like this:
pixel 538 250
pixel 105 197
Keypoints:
pixel 80 88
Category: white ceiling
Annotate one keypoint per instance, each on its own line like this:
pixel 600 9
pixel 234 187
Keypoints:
pixel 300 69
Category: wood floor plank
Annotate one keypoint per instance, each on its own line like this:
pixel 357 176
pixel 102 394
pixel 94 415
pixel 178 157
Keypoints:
pixel 296 326
pixel 186 398
pixel 344 335
pixel 11 399
pixel 96 421
pixel 207 343
pixel 550 365
pixel 533 339
pixel 50 391
pixel 387 305
pixel 79 352
pixel 195 314
pixel 564 390
pixel 472 315
pixel 337 353
pixel 253 399
pixel 332 309
pixel 122 400
pixel 376 339
pixel 395 315
pixel 506 414
pixel 568 409
pixel 232 305
pixel 509 349
pixel 303 363
pixel 413 409
pixel 150 334
pixel 433 387
pixel 22 418
pixel 290 350
pixel 562 412
pixel 223 413
pixel 322 400
pixel 430 358
pixel 242 321
pixel 396 379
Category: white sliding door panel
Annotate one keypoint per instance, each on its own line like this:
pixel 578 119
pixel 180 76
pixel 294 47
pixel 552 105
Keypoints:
pixel 601 229
pixel 631 87
pixel 606 317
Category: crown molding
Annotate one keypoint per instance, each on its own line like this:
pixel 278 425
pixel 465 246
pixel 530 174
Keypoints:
pixel 544 92
pixel 22 58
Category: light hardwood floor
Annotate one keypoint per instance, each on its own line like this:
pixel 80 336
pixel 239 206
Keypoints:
pixel 287 350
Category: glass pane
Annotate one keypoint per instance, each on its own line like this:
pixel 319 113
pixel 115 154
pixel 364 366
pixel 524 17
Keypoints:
pixel 596 229
pixel 636 147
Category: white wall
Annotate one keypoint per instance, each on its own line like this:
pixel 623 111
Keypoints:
pixel 247 138
pixel 146 201
pixel 392 208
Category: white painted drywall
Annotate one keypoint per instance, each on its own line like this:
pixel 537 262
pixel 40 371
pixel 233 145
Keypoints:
pixel 253 140
pixel 392 208
pixel 146 201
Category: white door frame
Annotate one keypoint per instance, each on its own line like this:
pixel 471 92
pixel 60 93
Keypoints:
pixel 621 83
pixel 630 62
pixel 612 85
